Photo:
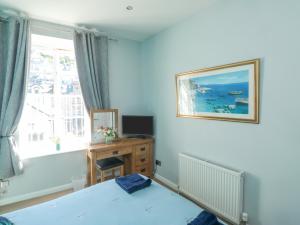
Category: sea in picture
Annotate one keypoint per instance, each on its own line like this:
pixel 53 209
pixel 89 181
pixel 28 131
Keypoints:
pixel 222 93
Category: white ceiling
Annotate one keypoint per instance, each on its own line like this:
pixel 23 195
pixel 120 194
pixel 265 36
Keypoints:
pixel 147 18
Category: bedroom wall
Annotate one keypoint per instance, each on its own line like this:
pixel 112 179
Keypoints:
pixel 52 171
pixel 226 32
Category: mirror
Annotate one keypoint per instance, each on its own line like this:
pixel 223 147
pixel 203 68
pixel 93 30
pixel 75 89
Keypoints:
pixel 102 118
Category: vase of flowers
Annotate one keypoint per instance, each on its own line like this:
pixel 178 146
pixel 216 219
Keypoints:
pixel 109 134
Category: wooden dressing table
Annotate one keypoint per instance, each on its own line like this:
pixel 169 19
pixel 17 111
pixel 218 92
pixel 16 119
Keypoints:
pixel 137 155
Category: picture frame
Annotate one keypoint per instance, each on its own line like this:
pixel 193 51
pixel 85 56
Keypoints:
pixel 229 92
pixel 102 118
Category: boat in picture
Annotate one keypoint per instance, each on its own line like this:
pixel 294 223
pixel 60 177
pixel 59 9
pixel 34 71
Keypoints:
pixel 241 101
pixel 220 110
pixel 203 90
pixel 235 92
pixel 231 107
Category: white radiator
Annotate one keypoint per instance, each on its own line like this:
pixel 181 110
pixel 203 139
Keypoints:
pixel 215 187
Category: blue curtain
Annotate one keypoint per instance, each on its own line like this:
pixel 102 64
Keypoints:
pixel 13 52
pixel 92 65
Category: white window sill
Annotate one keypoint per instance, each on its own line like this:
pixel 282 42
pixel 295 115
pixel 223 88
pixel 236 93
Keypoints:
pixel 28 154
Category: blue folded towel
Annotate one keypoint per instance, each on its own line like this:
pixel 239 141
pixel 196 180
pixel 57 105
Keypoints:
pixel 133 182
pixel 5 221
pixel 205 218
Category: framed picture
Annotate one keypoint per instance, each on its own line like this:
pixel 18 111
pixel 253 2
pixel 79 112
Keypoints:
pixel 102 118
pixel 228 92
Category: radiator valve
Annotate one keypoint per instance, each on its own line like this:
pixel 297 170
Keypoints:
pixel 3 185
pixel 245 217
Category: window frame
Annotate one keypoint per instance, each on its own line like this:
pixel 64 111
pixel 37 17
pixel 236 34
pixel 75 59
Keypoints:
pixel 55 31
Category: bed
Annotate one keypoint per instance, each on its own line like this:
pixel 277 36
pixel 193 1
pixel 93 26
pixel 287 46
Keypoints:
pixel 108 204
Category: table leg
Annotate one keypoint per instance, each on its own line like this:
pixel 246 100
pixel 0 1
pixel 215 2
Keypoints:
pixel 127 164
pixel 93 169
pixel 88 176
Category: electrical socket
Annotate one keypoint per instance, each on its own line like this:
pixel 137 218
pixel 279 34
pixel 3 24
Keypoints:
pixel 3 186
pixel 158 162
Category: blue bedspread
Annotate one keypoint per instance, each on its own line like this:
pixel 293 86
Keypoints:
pixel 107 204
pixel 133 182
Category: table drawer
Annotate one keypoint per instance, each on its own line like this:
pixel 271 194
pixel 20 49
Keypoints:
pixel 113 153
pixel 141 160
pixel 142 149
pixel 144 169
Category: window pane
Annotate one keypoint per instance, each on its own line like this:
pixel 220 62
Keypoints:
pixel 54 109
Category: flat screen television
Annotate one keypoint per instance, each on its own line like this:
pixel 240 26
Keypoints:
pixel 137 126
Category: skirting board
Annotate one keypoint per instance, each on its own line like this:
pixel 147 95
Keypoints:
pixel 36 194
pixel 166 182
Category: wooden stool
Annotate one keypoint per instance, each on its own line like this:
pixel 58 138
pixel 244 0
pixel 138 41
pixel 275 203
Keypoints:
pixel 110 164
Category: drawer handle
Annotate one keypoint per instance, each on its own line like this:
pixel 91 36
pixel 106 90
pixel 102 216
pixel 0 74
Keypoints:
pixel 143 170
pixel 143 160
pixel 143 149
pixel 115 152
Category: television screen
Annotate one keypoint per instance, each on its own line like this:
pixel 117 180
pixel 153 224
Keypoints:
pixel 139 125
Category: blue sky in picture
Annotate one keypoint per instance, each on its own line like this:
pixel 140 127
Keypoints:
pixel 224 78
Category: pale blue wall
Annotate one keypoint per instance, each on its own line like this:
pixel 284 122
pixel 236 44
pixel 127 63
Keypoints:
pixel 46 172
pixel 226 32
pixel 125 76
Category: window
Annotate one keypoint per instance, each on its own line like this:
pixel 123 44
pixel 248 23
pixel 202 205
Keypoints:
pixel 54 110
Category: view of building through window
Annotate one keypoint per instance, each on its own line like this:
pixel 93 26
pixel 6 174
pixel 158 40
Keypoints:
pixel 54 110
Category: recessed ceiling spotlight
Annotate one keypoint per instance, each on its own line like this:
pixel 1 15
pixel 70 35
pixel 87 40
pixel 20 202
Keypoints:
pixel 129 7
